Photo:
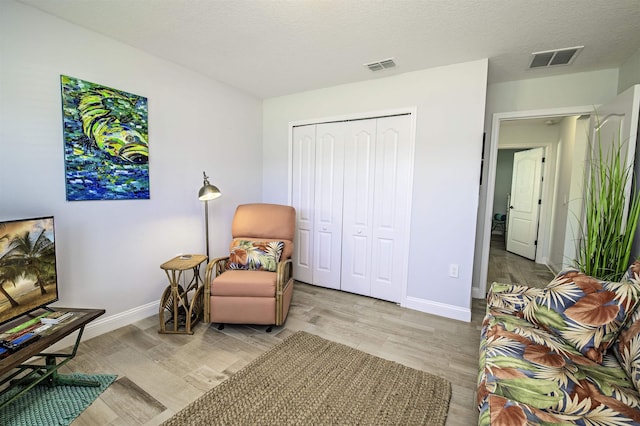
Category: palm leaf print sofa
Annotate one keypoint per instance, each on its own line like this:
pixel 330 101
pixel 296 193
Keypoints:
pixel 566 354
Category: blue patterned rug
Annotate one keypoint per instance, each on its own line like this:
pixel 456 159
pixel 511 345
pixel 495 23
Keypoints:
pixel 51 406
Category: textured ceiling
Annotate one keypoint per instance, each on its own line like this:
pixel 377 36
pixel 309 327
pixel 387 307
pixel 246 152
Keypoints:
pixel 275 47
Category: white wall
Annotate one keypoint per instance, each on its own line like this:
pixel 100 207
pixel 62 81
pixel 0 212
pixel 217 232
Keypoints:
pixel 450 114
pixel 629 72
pixel 576 191
pixel 586 88
pixel 566 157
pixel 580 89
pixel 109 252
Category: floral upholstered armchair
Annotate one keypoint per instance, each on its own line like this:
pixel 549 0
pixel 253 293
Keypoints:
pixel 566 354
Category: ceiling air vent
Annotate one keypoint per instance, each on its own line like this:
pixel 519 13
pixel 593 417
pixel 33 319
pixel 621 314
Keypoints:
pixel 552 58
pixel 381 65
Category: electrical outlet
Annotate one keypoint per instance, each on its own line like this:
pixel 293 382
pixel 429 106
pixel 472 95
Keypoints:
pixel 453 270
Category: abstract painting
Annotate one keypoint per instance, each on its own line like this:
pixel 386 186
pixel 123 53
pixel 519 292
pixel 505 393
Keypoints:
pixel 106 143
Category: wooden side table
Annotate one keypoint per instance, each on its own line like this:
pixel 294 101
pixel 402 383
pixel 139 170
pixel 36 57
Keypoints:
pixel 175 306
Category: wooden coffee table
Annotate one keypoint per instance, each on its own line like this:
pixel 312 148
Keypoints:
pixel 42 366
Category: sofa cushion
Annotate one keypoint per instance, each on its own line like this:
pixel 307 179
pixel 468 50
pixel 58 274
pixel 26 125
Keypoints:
pixel 627 346
pixel 546 378
pixel 255 255
pixel 500 411
pixel 510 298
pixel 584 311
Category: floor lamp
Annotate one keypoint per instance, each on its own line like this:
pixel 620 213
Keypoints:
pixel 207 192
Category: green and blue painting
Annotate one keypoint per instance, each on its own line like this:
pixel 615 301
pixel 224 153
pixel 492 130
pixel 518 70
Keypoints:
pixel 106 143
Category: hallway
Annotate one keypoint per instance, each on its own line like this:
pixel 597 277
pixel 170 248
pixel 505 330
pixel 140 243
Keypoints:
pixel 505 267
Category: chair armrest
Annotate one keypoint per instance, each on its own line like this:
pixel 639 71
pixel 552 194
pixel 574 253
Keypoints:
pixel 214 268
pixel 284 272
pixel 510 298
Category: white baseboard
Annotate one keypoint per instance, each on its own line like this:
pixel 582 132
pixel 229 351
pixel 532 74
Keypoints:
pixel 105 324
pixel 437 308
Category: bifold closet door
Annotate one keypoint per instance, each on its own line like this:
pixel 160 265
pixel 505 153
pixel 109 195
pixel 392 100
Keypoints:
pixel 376 202
pixel 391 203
pixel 302 198
pixel 358 204
pixel 350 189
pixel 328 191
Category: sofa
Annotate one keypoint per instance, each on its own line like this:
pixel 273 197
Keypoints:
pixel 565 354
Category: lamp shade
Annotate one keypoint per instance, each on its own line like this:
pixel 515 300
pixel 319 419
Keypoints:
pixel 208 192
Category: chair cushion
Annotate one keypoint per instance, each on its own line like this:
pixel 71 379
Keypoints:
pixel 584 311
pixel 243 310
pixel 261 221
pixel 272 221
pixel 244 283
pixel 255 255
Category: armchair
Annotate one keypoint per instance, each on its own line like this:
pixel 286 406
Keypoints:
pixel 254 284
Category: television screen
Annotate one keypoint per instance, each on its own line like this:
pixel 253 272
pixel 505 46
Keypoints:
pixel 28 277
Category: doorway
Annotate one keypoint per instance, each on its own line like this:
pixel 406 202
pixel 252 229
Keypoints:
pixel 521 169
pixel 505 263
pixel 560 228
pixel 509 131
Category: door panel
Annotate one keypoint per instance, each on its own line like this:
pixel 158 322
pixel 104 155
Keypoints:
pixel 358 206
pixel 524 209
pixel 303 179
pixel 324 259
pixel 328 189
pixel 392 178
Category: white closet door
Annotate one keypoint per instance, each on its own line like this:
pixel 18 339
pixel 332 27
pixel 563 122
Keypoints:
pixel 303 181
pixel 391 205
pixel 359 156
pixel 327 236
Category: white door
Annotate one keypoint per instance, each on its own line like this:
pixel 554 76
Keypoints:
pixel 359 159
pixel 376 203
pixel 302 198
pixel 328 190
pixel 350 186
pixel 524 208
pixel 391 206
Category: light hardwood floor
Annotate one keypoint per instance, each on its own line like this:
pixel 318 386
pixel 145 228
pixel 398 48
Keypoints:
pixel 506 267
pixel 158 374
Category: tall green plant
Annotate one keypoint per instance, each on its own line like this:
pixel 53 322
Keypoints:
pixel 604 248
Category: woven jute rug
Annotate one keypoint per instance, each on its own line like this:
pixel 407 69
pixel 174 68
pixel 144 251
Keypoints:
pixel 307 380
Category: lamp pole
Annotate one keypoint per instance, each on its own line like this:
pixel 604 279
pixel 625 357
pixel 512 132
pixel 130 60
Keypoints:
pixel 206 224
pixel 207 192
